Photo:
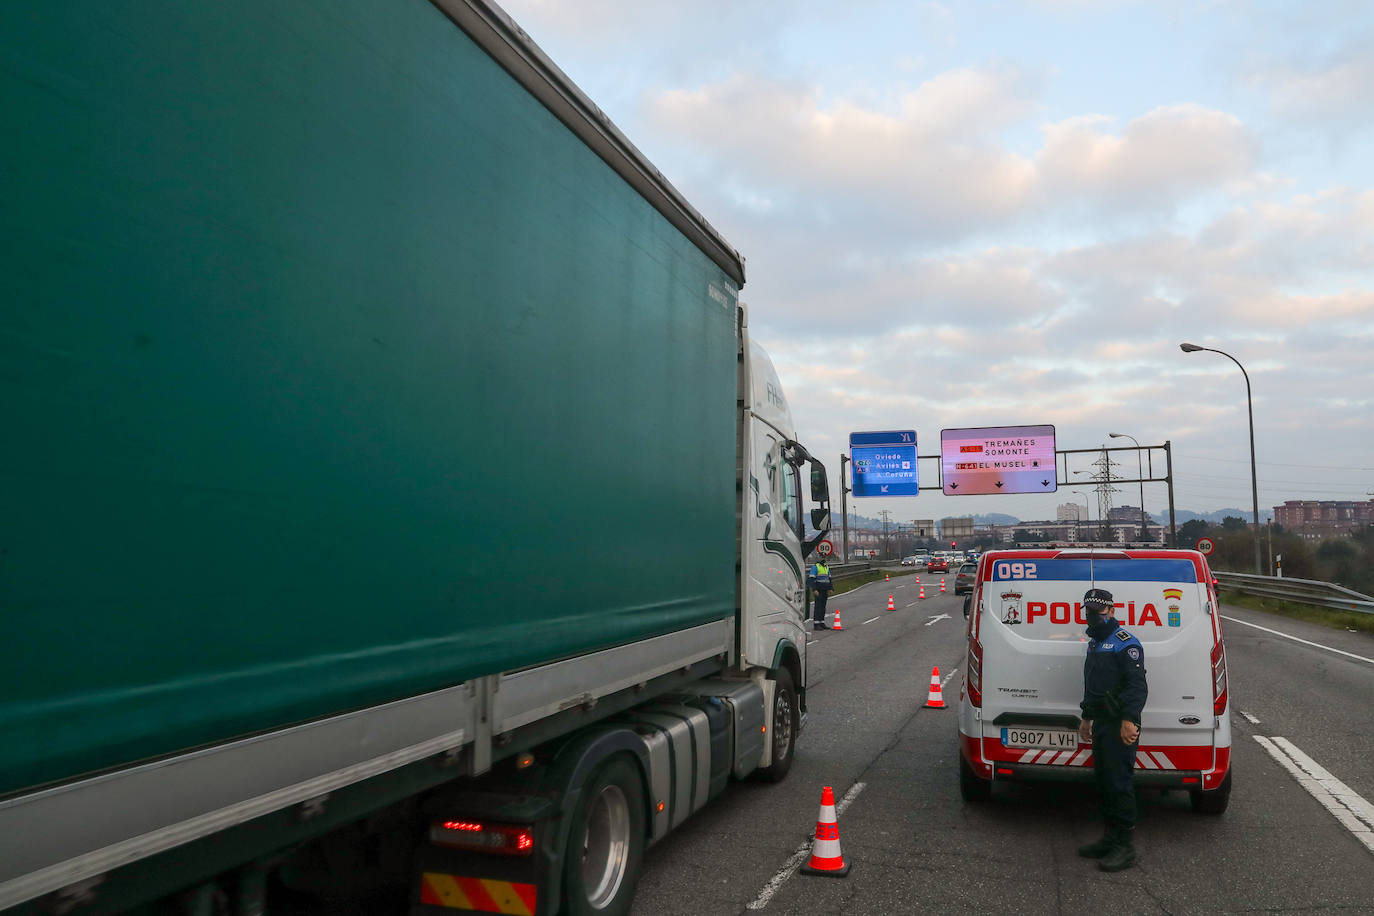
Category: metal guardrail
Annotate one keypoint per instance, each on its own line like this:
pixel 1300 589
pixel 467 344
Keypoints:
pixel 848 570
pixel 1305 591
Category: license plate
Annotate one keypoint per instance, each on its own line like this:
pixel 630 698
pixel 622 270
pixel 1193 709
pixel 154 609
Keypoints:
pixel 1058 739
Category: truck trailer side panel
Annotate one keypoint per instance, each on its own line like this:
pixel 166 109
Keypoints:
pixel 307 306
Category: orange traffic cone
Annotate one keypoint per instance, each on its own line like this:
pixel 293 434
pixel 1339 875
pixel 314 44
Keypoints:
pixel 837 625
pixel 826 858
pixel 942 585
pixel 918 579
pixel 936 700
pixel 923 592
pixel 886 577
pixel 890 605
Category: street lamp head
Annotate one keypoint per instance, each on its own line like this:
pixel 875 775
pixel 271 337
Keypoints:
pixel 1190 348
pixel 1117 435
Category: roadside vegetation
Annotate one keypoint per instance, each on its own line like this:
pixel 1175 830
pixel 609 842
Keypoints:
pixel 1337 620
pixel 1346 561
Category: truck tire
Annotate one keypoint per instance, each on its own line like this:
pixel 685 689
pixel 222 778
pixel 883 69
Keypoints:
pixel 606 843
pixel 971 787
pixel 786 721
pixel 1213 802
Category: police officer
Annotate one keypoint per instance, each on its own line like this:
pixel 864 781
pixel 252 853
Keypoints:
pixel 818 578
pixel 1114 693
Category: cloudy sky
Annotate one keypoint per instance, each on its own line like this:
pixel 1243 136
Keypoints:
pixel 1000 213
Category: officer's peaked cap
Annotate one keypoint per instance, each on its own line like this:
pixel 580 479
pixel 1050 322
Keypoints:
pixel 1099 598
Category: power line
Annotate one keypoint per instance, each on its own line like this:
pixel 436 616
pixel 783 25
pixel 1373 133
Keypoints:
pixel 1277 464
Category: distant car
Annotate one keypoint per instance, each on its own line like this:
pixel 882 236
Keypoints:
pixel 937 564
pixel 963 579
pixel 908 561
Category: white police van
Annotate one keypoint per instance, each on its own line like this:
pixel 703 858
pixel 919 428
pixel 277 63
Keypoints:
pixel 1018 707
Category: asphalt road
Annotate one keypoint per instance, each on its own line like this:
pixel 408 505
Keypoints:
pixel 916 847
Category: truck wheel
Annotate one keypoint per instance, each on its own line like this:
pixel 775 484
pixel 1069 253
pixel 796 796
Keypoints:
pixel 786 721
pixel 971 787
pixel 606 843
pixel 1213 802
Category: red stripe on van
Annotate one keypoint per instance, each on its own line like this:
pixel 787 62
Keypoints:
pixel 1178 757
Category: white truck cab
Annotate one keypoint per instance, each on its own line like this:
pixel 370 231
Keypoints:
pixel 1018 706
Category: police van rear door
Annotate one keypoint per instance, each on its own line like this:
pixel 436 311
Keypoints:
pixel 1038 616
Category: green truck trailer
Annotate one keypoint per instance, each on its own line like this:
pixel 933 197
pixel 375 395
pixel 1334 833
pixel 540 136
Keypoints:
pixel 391 489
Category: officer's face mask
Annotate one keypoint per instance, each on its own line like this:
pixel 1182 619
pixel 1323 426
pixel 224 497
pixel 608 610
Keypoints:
pixel 1099 622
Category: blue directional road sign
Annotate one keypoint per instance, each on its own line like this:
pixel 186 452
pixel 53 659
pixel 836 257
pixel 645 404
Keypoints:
pixel 884 463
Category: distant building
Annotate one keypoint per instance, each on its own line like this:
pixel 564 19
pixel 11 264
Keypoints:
pixel 955 528
pixel 1127 514
pixel 1324 518
pixel 1068 512
pixel 1063 534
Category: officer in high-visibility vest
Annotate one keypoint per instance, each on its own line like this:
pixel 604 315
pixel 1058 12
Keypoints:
pixel 818 580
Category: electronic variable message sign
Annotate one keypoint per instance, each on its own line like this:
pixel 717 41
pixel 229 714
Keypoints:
pixel 884 463
pixel 997 459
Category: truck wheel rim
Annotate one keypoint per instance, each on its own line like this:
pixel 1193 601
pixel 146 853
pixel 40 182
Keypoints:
pixel 782 725
pixel 606 846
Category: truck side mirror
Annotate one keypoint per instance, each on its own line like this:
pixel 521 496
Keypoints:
pixel 820 519
pixel 968 604
pixel 820 485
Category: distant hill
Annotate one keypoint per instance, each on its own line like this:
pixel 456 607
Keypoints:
pixel 1216 518
pixel 995 518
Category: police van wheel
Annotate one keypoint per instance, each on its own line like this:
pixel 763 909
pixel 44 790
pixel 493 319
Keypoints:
pixel 1213 802
pixel 971 787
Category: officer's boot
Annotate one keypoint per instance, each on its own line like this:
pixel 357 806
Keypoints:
pixel 1122 854
pixel 1101 847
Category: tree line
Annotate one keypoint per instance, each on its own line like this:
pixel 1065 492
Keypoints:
pixel 1347 561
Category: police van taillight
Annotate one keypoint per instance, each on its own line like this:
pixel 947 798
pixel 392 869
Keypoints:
pixel 1218 679
pixel 975 672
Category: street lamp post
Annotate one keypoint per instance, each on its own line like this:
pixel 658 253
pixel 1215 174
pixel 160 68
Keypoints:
pixel 1249 407
pixel 1140 473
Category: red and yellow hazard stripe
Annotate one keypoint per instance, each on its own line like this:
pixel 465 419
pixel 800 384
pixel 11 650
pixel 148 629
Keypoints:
pixel 481 894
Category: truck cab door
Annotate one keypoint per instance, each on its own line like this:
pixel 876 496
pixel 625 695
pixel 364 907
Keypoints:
pixel 776 578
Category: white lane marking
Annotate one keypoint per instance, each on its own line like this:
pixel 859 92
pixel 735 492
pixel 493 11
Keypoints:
pixel 937 618
pixel 1249 718
pixel 1356 814
pixel 912 604
pixel 870 620
pixel 948 676
pixel 811 642
pixel 1303 641
pixel 799 856
pixel 899 586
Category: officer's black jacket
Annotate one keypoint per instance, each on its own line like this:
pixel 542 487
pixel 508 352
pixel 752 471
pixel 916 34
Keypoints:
pixel 1114 678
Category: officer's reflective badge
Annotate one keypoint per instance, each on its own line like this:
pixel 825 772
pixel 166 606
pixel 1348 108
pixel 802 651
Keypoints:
pixel 1011 608
pixel 1122 635
pixel 1134 653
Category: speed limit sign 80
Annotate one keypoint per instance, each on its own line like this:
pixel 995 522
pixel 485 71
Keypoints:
pixel 1205 545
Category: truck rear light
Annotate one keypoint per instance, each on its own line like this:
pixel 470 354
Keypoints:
pixel 1218 679
pixel 479 836
pixel 975 673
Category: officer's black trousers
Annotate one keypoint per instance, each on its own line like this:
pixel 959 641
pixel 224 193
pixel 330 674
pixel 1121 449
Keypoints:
pixel 1113 763
pixel 818 606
